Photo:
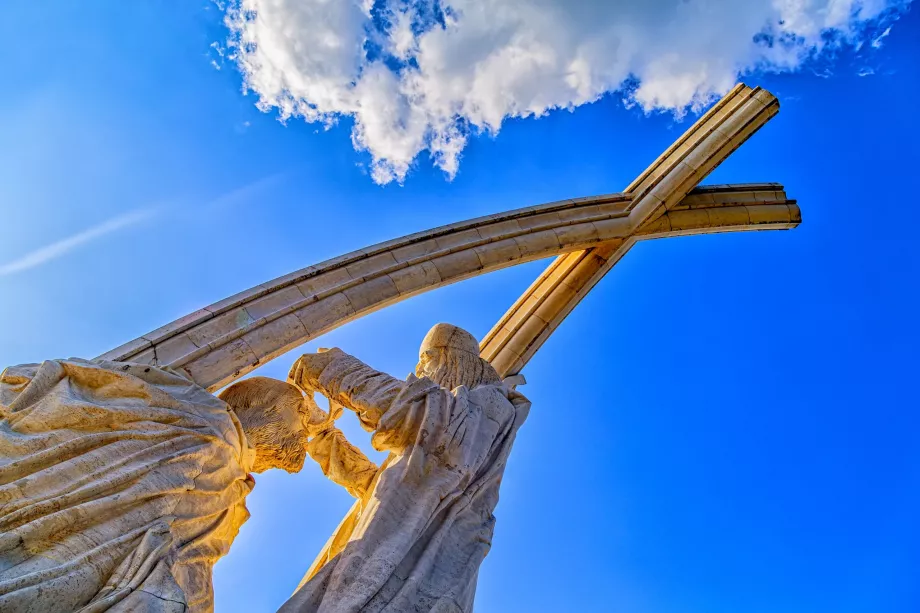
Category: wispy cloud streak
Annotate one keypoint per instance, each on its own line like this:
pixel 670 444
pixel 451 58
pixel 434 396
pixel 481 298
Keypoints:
pixel 240 195
pixel 55 250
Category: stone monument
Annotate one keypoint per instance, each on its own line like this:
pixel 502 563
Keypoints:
pixel 99 513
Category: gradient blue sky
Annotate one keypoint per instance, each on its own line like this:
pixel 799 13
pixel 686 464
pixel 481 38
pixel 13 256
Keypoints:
pixel 727 423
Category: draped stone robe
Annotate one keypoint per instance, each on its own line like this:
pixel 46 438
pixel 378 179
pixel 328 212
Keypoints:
pixel 416 537
pixel 120 486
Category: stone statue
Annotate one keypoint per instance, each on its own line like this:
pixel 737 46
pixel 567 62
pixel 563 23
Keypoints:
pixel 122 484
pixel 423 522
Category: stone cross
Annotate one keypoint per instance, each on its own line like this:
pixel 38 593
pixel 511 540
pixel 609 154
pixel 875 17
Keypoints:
pixel 222 342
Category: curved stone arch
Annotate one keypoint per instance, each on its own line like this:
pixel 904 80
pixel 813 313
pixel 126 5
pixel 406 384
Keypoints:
pixel 531 320
pixel 219 343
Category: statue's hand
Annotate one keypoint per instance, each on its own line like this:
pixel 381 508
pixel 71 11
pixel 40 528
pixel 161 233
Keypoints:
pixel 314 417
pixel 306 370
pixel 317 420
pixel 335 410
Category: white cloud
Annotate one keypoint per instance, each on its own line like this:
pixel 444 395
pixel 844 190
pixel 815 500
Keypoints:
pixel 55 250
pixel 877 42
pixel 422 75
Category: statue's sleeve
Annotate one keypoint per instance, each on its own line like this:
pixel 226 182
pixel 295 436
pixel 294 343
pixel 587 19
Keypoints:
pixel 352 383
pixel 424 414
pixel 16 379
pixel 401 413
pixel 342 462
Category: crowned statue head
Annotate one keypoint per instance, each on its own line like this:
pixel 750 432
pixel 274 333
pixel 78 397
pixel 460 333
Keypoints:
pixel 449 356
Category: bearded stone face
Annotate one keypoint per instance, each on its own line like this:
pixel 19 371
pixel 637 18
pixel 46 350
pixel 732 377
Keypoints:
pixel 275 417
pixel 428 362
pixel 451 368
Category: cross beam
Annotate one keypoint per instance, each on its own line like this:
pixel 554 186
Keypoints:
pixel 661 188
pixel 222 342
pixel 531 320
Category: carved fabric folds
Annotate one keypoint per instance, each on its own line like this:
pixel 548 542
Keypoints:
pixel 120 486
pixel 415 540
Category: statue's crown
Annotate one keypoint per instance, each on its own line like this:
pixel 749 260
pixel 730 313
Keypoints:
pixel 447 336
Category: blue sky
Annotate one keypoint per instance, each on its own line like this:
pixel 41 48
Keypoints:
pixel 727 423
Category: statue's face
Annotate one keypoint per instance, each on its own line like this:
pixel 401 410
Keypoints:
pixel 428 362
pixel 451 368
pixel 279 438
pixel 292 419
pixel 275 417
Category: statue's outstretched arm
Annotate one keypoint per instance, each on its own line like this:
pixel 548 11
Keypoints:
pixel 346 380
pixel 341 461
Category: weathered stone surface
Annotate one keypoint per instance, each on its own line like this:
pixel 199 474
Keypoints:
pixel 413 278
